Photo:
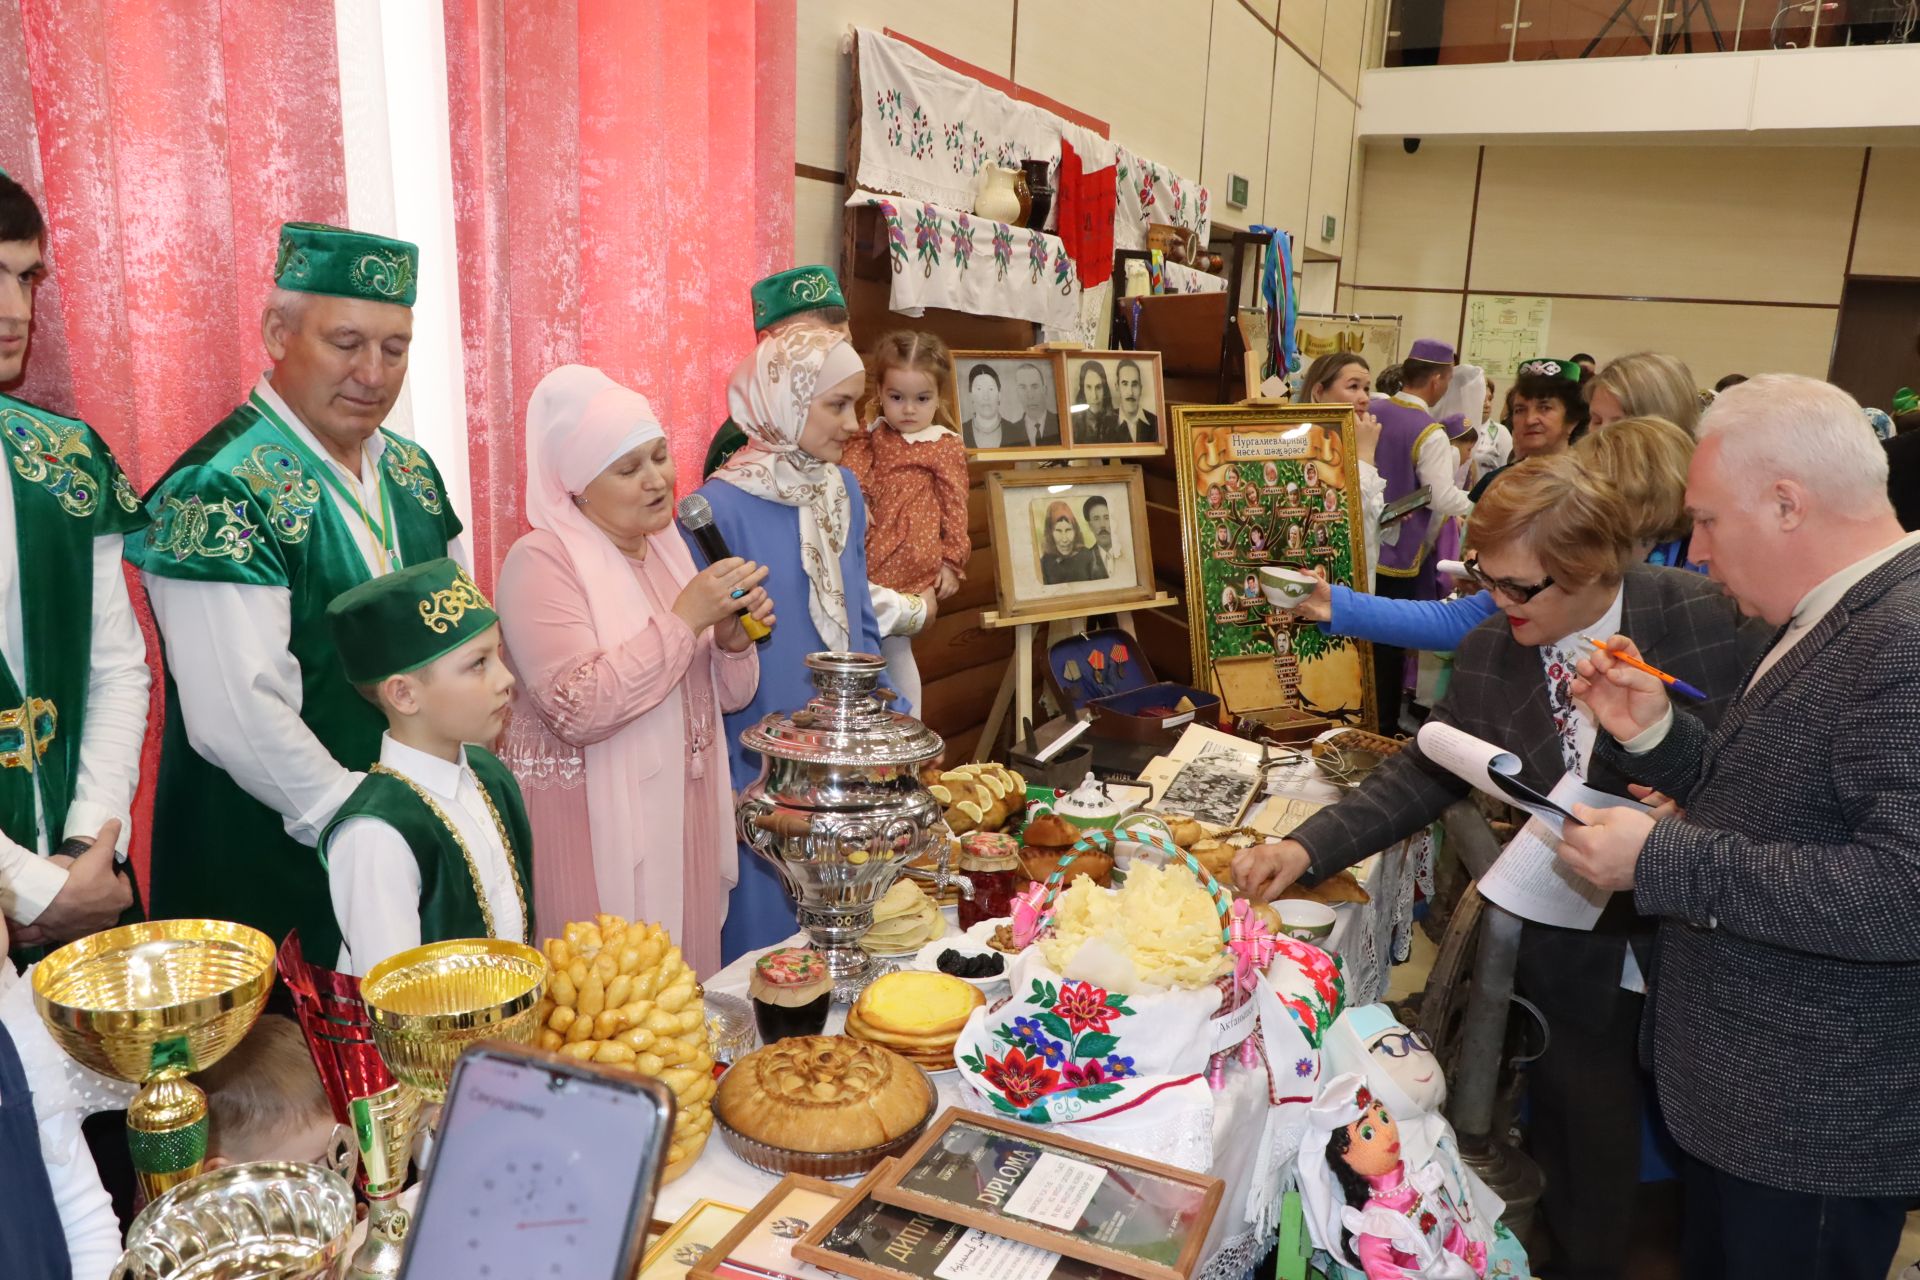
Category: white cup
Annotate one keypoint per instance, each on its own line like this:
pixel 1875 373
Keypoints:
pixel 1305 921
pixel 1286 588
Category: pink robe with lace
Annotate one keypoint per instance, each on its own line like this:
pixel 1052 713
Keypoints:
pixel 573 692
pixel 1382 1260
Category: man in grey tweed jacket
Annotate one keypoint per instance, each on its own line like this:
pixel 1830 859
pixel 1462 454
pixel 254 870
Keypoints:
pixel 1785 1017
pixel 1551 556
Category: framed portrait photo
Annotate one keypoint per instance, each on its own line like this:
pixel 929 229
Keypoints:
pixel 1008 405
pixel 1116 405
pixel 1073 537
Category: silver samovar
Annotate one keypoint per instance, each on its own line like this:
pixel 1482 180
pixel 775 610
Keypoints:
pixel 839 809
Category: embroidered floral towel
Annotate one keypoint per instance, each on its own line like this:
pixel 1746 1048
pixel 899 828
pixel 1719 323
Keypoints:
pixel 944 257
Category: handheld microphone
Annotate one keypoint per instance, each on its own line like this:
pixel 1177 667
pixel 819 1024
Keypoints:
pixel 696 517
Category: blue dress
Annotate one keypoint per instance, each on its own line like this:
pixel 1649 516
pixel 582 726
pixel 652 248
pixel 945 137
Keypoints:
pixel 759 910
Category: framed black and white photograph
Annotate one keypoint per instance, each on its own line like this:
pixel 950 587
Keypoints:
pixel 1069 537
pixel 1116 403
pixel 1008 403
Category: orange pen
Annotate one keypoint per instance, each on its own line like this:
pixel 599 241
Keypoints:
pixel 1672 682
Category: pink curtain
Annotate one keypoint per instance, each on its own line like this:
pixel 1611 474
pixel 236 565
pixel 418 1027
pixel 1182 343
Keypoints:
pixel 166 142
pixel 622 173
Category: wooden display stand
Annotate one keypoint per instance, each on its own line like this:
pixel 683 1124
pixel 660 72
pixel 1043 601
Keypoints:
pixel 1016 687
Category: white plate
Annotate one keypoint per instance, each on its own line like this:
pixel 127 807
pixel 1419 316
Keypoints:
pixel 928 960
pixel 984 929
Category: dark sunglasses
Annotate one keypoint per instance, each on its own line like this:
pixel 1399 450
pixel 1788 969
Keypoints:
pixel 1519 592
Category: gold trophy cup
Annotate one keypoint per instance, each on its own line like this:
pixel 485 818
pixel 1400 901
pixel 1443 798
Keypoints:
pixel 428 1004
pixel 150 1003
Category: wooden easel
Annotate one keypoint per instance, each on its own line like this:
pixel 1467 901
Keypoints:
pixel 1016 687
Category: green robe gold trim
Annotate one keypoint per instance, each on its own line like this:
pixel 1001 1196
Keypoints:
pixel 239 506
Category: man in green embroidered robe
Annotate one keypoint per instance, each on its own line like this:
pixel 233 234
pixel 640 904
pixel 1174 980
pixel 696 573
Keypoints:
pixel 73 665
pixel 434 844
pixel 297 495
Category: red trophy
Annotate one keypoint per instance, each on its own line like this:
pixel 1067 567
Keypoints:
pixel 366 1098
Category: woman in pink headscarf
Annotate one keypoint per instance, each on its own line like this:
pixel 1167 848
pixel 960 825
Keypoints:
pixel 626 658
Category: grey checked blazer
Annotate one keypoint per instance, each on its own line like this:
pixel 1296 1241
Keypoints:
pixel 1785 1015
pixel 1683 623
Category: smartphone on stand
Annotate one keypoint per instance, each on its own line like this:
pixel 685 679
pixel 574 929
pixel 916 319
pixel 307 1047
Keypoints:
pixel 546 1167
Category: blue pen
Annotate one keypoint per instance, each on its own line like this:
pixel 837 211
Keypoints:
pixel 1672 682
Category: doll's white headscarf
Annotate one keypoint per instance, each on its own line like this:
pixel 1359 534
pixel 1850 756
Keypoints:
pixel 1321 1195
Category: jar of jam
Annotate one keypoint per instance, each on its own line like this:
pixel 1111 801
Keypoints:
pixel 991 861
pixel 791 991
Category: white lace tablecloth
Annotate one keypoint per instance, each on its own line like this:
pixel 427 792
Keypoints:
pixel 1370 938
pixel 1238 1129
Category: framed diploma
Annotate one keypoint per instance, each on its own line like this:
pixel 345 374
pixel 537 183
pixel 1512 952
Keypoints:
pixel 687 1241
pixel 868 1239
pixel 760 1245
pixel 1119 1212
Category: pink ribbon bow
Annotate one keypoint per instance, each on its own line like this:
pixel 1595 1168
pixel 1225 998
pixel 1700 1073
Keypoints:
pixel 1251 942
pixel 1027 907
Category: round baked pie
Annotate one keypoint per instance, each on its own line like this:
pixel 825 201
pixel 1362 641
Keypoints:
pixel 824 1094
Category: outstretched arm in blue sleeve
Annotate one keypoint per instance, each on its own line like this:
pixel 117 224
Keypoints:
pixel 1437 625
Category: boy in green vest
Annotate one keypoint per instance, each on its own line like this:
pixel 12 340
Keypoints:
pixel 434 843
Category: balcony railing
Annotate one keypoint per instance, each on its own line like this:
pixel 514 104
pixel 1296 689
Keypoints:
pixel 1424 33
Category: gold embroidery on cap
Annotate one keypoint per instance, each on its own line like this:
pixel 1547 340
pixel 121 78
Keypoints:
pixel 446 607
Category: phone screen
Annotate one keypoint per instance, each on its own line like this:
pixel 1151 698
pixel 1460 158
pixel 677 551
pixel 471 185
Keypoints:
pixel 539 1174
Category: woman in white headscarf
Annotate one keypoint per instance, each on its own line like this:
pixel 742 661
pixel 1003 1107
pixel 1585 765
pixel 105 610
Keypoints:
pixel 784 500
pixel 622 651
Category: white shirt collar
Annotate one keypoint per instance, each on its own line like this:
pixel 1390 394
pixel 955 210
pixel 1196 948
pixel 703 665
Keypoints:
pixel 1412 401
pixel 1817 603
pixel 932 431
pixel 376 446
pixel 441 777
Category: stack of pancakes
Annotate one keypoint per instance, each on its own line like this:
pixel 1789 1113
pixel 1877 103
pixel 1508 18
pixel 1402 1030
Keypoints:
pixel 905 920
pixel 917 1015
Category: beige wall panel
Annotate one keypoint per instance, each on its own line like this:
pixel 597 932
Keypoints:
pixel 981 32
pixel 1290 136
pixel 1304 21
pixel 1889 243
pixel 1332 167
pixel 1764 223
pixel 1413 222
pixel 1345 37
pixel 1714 339
pixel 1134 63
pixel 1239 91
pixel 1422 315
pixel 817 215
pixel 1269 10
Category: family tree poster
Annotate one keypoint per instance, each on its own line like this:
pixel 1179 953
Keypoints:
pixel 1273 487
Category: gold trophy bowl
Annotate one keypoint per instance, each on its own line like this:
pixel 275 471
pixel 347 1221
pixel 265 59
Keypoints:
pixel 150 1003
pixel 428 1004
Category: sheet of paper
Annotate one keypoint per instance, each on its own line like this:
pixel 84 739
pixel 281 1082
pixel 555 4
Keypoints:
pixel 1530 880
pixel 1056 1191
pixel 977 1255
pixel 1480 763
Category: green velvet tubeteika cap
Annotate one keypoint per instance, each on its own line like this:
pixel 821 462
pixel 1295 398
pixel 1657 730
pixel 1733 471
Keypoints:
pixel 406 619
pixel 316 258
pixel 1548 367
pixel 788 293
